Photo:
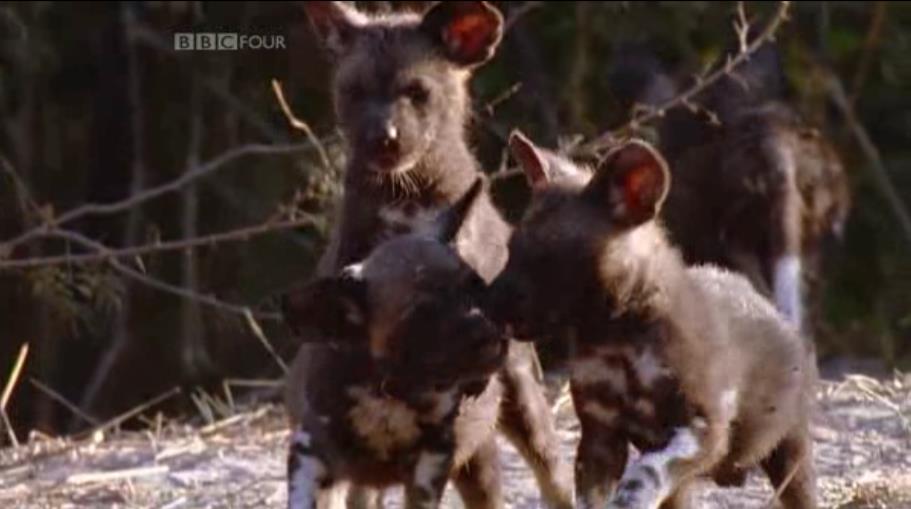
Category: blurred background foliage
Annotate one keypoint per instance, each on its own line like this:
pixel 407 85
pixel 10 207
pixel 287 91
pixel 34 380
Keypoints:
pixel 95 104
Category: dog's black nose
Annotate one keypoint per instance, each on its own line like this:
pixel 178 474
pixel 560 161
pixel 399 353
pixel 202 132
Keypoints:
pixel 384 140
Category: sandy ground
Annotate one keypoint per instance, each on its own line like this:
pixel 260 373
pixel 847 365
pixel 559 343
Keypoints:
pixel 862 434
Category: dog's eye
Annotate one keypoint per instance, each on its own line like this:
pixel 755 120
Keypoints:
pixel 416 92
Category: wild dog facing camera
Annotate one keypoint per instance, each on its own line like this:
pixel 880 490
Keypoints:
pixel 400 78
pixel 413 304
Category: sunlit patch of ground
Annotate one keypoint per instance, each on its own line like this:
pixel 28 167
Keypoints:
pixel 862 435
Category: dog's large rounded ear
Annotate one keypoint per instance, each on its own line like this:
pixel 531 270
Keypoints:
pixel 632 182
pixel 327 310
pixel 467 32
pixel 449 222
pixel 531 159
pixel 335 23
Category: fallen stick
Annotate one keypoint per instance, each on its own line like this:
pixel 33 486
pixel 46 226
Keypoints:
pixel 117 475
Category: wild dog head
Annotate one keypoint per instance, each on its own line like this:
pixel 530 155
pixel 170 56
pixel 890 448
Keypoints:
pixel 400 79
pixel 580 240
pixel 413 304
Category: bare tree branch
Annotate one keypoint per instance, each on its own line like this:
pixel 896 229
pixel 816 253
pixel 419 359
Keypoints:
pixel 880 174
pixel 261 336
pixel 517 13
pixel 162 43
pixel 151 282
pixel 27 202
pixel 871 44
pixel 94 209
pixel 648 114
pixel 237 235
pixel 56 396
pixel 301 125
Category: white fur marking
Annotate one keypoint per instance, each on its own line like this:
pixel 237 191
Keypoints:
pixel 729 403
pixel 354 271
pixel 304 482
pixel 643 493
pixel 303 438
pixel 443 403
pixel 786 286
pixel 649 368
pixel 428 469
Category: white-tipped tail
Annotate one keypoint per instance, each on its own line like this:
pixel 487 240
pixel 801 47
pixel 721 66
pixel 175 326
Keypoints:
pixel 787 288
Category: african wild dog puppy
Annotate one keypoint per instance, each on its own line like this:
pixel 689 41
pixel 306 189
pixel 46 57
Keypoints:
pixel 409 393
pixel 758 191
pixel 690 365
pixel 400 91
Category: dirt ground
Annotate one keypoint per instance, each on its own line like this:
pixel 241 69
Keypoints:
pixel 862 435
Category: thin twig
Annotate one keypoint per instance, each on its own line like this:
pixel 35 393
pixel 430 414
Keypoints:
pixel 11 433
pixel 880 173
pixel 163 44
pixel 905 421
pixel 490 107
pixel 258 332
pixel 871 44
pixel 56 396
pixel 686 98
pixel 517 13
pixel 25 195
pixel 95 209
pixel 8 392
pixel 117 475
pixel 133 412
pixel 300 124
pixel 785 483
pixel 155 283
pixel 239 234
pixel 252 383
pixel 14 376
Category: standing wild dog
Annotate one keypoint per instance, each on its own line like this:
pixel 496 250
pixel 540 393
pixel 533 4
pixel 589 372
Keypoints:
pixel 400 91
pixel 690 365
pixel 757 191
pixel 409 393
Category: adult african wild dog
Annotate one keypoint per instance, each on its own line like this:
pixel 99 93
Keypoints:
pixel 690 365
pixel 755 188
pixel 400 92
pixel 409 394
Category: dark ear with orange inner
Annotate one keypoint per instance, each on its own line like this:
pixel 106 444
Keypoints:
pixel 632 183
pixel 467 32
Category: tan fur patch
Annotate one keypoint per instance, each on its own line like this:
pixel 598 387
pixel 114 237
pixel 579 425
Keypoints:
pixel 385 424
pixel 645 408
pixel 603 414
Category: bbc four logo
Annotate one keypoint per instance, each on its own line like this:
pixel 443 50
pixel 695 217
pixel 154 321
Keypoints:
pixel 226 41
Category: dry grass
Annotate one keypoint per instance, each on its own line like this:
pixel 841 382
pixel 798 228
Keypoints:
pixel 863 455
